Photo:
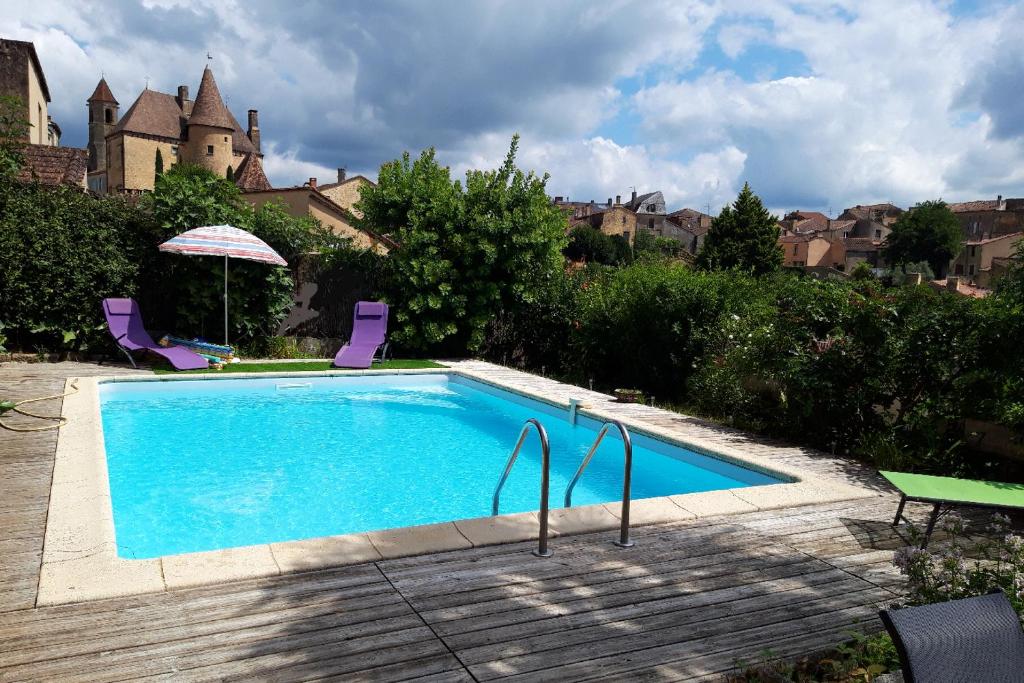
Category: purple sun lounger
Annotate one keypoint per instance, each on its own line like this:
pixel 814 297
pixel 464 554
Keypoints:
pixel 369 330
pixel 125 324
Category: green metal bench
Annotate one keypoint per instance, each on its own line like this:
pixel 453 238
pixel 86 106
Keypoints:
pixel 949 491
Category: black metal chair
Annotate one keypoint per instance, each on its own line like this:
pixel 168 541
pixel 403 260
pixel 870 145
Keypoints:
pixel 973 640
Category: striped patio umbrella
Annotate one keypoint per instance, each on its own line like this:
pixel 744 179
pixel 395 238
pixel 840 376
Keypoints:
pixel 226 241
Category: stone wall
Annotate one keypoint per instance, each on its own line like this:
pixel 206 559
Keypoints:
pixel 325 299
pixel 140 161
pixel 346 194
pixel 200 138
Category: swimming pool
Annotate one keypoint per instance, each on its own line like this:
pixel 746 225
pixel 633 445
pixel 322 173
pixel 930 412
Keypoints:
pixel 207 464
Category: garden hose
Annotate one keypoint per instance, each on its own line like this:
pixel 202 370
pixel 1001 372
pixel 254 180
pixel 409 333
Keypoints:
pixel 14 407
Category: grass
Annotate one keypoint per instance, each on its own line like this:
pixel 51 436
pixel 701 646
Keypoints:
pixel 304 366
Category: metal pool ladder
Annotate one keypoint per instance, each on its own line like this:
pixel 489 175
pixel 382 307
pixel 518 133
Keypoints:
pixel 627 475
pixel 542 547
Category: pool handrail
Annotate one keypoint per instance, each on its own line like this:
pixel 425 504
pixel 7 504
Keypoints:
pixel 627 476
pixel 542 546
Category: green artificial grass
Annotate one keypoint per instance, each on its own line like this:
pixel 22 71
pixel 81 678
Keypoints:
pixel 303 366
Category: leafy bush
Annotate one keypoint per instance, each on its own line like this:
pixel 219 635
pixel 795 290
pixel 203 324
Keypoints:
pixel 888 374
pixel 61 252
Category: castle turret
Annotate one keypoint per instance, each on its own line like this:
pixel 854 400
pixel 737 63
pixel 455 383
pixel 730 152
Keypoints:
pixel 209 128
pixel 102 119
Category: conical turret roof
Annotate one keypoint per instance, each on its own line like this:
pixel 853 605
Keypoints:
pixel 102 93
pixel 209 109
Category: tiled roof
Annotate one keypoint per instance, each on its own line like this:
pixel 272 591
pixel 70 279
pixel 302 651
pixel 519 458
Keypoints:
pixel 802 237
pixel 209 109
pixel 981 205
pixel 54 165
pixel 346 181
pixel 865 210
pixel 240 142
pixel 249 175
pixel 989 240
pixel 102 93
pixel 633 203
pixel 809 215
pixel 862 244
pixel 153 113
pixel 689 214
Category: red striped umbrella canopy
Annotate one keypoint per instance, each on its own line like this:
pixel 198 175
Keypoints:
pixel 223 240
pixel 227 241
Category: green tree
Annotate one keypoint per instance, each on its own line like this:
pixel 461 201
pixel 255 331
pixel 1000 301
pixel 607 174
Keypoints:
pixel 928 232
pixel 589 244
pixel 464 255
pixel 744 237
pixel 159 163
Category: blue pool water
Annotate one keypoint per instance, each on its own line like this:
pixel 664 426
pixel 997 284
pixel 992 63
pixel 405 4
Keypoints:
pixel 207 464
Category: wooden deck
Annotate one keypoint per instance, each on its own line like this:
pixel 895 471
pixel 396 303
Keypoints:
pixel 686 603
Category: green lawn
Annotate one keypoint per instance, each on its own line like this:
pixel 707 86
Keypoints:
pixel 304 366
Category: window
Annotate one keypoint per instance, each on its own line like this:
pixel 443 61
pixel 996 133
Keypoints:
pixel 970 269
pixel 650 223
pixel 623 220
pixel 796 248
pixel 90 114
pixel 174 150
pixel 973 251
pixel 108 115
pixel 846 233
pixel 209 150
pixel 878 234
pixel 651 208
pixel 225 139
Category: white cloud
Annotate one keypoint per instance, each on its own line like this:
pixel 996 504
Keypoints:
pixel 285 168
pixel 896 101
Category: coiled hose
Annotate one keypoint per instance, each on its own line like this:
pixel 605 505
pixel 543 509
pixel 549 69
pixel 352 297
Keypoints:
pixel 59 419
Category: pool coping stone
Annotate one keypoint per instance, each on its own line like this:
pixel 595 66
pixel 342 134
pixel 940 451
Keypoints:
pixel 80 560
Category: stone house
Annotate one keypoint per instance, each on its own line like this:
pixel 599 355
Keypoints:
pixel 988 218
pixel 687 226
pixel 613 220
pixel 864 249
pixel 873 221
pixel 812 251
pixel 21 76
pixel 345 192
pixel 980 262
pixel 122 151
pixel 309 200
pixel 650 212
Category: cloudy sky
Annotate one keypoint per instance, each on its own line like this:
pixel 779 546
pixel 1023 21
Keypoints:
pixel 819 105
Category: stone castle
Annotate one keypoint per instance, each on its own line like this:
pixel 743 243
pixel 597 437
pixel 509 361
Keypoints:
pixel 123 150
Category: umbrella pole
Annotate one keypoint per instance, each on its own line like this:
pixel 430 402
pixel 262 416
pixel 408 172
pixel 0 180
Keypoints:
pixel 225 299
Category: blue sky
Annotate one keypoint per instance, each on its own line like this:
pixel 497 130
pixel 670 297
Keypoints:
pixel 819 105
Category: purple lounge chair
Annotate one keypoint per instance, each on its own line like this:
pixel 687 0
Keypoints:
pixel 125 324
pixel 369 330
